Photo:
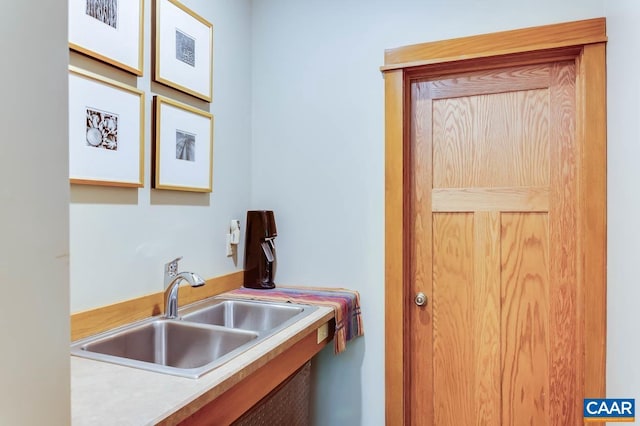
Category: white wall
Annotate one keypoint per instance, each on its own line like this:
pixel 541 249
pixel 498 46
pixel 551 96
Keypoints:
pixel 318 152
pixel 121 238
pixel 34 220
pixel 623 202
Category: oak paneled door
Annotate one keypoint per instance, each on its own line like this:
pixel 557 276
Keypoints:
pixel 494 225
pixel 494 221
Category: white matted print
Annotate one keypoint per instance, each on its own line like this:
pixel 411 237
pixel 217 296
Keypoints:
pixel 183 147
pixel 108 30
pixel 106 131
pixel 183 49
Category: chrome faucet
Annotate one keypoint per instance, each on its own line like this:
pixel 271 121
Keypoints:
pixel 172 279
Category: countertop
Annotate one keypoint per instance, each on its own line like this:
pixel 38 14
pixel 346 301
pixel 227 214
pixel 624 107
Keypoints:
pixel 109 394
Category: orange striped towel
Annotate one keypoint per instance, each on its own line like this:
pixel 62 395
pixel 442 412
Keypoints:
pixel 345 303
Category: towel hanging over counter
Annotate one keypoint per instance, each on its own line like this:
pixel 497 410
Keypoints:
pixel 345 303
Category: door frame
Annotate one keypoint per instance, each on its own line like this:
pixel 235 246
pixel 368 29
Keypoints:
pixel 581 41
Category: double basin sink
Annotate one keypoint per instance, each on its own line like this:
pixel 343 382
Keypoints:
pixel 206 335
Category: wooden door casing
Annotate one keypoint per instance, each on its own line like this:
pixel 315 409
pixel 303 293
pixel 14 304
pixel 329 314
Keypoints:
pixel 486 216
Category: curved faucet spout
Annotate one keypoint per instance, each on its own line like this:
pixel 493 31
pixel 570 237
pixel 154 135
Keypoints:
pixel 171 291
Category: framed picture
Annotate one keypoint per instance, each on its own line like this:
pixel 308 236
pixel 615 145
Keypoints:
pixel 183 49
pixel 183 147
pixel 108 30
pixel 106 131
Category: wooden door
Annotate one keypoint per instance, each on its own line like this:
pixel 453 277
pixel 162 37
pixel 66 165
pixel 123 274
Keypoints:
pixel 494 212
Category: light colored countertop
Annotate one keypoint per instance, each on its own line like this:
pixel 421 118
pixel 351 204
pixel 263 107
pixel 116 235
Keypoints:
pixel 109 394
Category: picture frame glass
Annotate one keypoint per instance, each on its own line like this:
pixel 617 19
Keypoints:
pixel 184 144
pixel 105 133
pixel 109 30
pixel 183 50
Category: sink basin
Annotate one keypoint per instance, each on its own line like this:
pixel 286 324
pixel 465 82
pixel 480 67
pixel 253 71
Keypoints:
pixel 207 334
pixel 245 315
pixel 168 346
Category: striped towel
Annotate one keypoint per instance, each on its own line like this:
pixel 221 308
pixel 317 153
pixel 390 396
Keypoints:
pixel 345 303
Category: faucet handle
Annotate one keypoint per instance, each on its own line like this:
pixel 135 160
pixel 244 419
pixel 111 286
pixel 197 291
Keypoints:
pixel 170 270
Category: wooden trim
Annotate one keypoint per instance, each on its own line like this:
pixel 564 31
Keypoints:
pixel 591 87
pixel 230 405
pixel 394 243
pixel 525 199
pixel 93 321
pixel 581 41
pixel 545 37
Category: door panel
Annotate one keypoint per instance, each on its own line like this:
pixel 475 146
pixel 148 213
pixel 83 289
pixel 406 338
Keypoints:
pixel 511 79
pixel 466 306
pixel 525 351
pixel 494 247
pixel 496 140
pixel 453 314
pixel 486 320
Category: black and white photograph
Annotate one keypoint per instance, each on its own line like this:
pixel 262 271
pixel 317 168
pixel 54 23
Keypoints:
pixel 102 129
pixel 185 48
pixel 105 11
pixel 185 146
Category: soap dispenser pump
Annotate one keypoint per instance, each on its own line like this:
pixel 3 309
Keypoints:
pixel 260 250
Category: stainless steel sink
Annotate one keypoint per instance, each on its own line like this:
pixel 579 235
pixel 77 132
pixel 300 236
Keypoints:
pixel 207 335
pixel 167 346
pixel 244 315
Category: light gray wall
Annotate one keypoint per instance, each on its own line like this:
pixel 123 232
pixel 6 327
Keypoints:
pixel 623 202
pixel 318 152
pixel 34 215
pixel 121 238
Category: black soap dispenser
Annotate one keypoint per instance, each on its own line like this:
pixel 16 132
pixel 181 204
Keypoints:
pixel 260 250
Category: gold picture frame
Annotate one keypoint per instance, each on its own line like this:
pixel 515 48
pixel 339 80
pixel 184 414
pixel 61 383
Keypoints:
pixel 106 131
pixel 183 49
pixel 111 31
pixel 183 147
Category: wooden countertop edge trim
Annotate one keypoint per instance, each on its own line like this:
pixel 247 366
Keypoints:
pixel 241 391
pixel 94 321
